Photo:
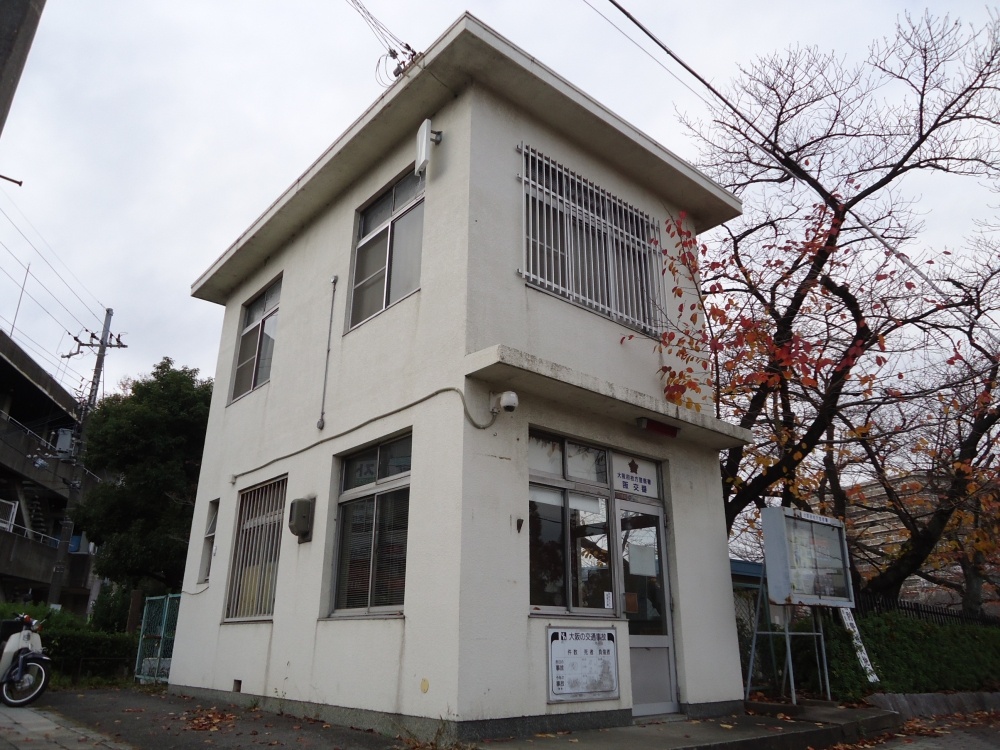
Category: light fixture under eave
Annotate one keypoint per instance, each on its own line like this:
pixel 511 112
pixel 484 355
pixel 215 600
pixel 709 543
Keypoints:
pixel 660 428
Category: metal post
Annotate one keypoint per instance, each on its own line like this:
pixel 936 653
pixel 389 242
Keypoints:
pixel 753 641
pixel 76 482
pixel 789 668
pixel 822 651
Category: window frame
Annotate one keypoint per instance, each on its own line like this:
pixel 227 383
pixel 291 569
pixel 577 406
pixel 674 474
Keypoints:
pixel 398 212
pixel 568 486
pixel 586 245
pixel 268 317
pixel 257 540
pixel 208 549
pixel 378 490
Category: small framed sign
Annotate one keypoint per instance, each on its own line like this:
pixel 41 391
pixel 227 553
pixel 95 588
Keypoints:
pixel 583 664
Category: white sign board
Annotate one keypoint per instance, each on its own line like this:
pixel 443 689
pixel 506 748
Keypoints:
pixel 636 476
pixel 847 618
pixel 806 559
pixel 583 664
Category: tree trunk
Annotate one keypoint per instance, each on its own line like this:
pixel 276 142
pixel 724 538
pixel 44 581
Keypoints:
pixel 135 607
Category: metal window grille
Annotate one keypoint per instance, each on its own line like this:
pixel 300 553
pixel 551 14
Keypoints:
pixel 583 243
pixel 254 571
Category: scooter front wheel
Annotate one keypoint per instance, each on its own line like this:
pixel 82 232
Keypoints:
pixel 31 685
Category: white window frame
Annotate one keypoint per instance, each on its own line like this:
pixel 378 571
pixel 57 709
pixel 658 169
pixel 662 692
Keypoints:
pixel 255 329
pixel 587 245
pixel 375 490
pixel 208 545
pixel 567 486
pixel 401 207
pixel 253 572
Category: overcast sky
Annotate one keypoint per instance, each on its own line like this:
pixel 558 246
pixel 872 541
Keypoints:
pixel 149 134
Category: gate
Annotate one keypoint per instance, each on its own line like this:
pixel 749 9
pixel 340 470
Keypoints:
pixel 156 639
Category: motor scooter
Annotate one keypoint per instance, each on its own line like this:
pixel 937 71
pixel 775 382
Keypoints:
pixel 24 667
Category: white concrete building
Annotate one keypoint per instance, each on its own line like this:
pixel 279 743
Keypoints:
pixel 562 564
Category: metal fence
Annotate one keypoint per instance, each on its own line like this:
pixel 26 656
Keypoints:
pixel 156 639
pixel 868 604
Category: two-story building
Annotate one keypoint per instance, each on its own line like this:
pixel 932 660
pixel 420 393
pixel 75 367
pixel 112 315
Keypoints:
pixel 439 492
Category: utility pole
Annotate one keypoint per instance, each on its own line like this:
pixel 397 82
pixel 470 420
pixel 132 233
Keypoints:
pixel 76 482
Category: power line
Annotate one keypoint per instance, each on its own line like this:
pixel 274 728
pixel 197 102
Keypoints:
pixel 793 169
pixel 40 283
pixel 46 260
pixel 43 308
pixel 390 65
pixel 646 52
pixel 39 351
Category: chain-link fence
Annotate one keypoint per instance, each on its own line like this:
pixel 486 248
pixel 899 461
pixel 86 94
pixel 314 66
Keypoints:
pixel 156 639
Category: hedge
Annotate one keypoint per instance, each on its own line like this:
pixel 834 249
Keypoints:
pixel 909 656
pixel 75 648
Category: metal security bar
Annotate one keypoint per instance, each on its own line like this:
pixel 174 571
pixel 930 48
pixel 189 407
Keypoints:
pixel 255 560
pixel 583 243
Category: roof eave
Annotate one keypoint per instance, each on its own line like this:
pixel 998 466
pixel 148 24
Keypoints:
pixel 467 51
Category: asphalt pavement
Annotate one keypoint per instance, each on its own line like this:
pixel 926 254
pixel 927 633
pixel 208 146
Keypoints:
pixel 127 719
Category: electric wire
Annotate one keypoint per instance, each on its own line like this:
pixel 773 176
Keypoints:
pixel 28 342
pixel 48 245
pixel 773 151
pixel 51 267
pixel 398 54
pixel 41 284
pixel 40 305
pixel 382 33
pixel 646 52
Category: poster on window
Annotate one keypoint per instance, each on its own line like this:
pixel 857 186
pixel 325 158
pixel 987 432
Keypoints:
pixel 583 664
pixel 805 556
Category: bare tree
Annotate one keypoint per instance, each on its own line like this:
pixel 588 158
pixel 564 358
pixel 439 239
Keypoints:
pixel 818 300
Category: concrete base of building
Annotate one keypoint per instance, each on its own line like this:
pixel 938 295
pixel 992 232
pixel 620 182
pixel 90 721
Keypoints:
pixel 709 710
pixel 419 728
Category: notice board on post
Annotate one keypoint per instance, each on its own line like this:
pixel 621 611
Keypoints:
pixel 805 555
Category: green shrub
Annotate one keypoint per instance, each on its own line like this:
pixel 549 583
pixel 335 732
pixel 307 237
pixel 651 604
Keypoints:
pixel 909 656
pixel 77 650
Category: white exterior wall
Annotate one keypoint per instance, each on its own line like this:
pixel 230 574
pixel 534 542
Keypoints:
pixel 503 309
pixel 394 359
pixel 467 648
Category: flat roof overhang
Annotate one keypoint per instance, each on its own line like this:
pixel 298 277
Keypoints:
pixel 468 51
pixel 506 368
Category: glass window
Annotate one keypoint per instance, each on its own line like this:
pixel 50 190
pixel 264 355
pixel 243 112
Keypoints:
pixel 545 454
pixel 586 463
pixel 256 348
pixel 379 462
pixel 387 257
pixel 546 543
pixel 371 561
pixel 590 557
pixel 208 546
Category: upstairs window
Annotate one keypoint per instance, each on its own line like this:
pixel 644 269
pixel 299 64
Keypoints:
pixel 584 244
pixel 387 258
pixel 256 349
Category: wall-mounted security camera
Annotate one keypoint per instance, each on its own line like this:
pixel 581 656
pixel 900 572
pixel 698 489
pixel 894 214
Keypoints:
pixel 506 401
